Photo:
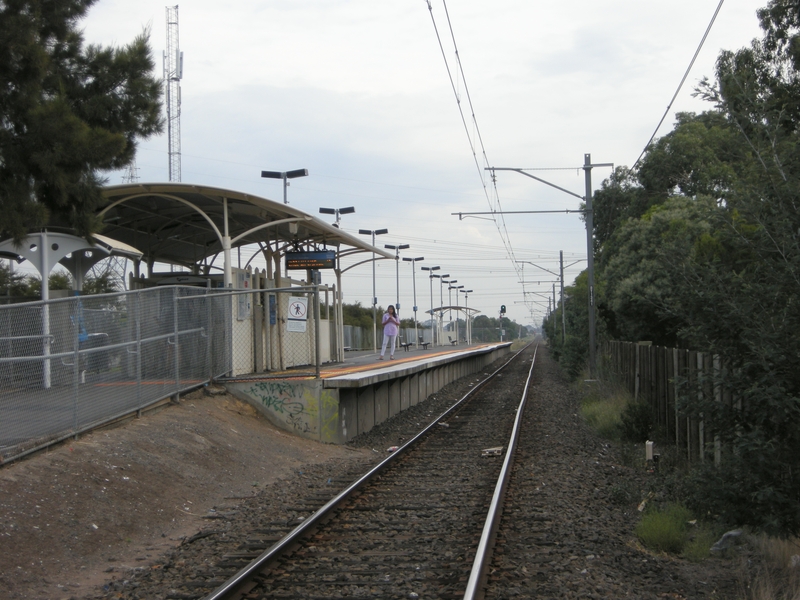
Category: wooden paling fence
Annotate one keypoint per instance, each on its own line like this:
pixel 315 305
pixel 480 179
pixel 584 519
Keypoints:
pixel 650 374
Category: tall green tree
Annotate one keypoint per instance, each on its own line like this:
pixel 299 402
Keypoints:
pixel 68 112
pixel 749 269
pixel 703 243
pixel 642 278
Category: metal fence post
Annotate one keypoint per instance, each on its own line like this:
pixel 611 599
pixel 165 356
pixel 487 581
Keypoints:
pixel 138 322
pixel 176 346
pixel 77 365
pixel 209 334
pixel 229 319
pixel 318 341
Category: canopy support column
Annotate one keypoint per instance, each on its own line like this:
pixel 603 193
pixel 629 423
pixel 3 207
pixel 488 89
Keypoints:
pixel 226 246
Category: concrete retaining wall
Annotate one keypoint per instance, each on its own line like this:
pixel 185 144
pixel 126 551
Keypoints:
pixel 337 409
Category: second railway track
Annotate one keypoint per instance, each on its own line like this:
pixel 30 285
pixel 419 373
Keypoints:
pixel 410 529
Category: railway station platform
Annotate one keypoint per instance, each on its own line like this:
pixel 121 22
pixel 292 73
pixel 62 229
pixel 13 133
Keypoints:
pixel 350 398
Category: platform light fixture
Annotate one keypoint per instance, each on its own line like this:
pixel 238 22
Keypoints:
pixel 442 279
pixel 431 276
pixel 337 211
pixel 466 312
pixel 397 249
pixel 456 288
pixel 450 283
pixel 413 261
pixel 373 233
pixel 286 176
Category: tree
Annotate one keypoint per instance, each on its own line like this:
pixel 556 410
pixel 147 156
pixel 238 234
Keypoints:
pixel 703 243
pixel 749 270
pixel 642 272
pixel 58 280
pixel 357 315
pixel 12 283
pixel 103 283
pixel 69 113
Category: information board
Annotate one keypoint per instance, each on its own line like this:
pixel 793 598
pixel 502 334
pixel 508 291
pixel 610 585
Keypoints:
pixel 318 259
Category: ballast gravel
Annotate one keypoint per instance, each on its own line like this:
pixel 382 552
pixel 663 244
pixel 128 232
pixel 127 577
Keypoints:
pixel 573 539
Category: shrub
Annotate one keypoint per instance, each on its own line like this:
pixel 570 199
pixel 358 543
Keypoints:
pixel 636 422
pixel 572 356
pixel 738 494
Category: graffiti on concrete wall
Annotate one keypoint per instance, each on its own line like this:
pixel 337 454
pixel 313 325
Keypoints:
pixel 293 404
pixel 329 403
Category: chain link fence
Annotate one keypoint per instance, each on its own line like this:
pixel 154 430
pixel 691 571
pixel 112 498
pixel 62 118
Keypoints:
pixel 71 364
pixel 288 332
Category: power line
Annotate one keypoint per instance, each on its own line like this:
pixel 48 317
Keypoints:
pixel 680 85
pixel 502 231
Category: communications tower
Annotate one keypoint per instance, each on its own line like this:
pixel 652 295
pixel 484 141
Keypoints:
pixel 131 174
pixel 173 73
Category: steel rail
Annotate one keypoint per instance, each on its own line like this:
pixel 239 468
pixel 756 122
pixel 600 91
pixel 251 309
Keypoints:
pixel 233 585
pixel 475 584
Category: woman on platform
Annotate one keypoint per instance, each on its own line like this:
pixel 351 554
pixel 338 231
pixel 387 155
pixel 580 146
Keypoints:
pixel 391 327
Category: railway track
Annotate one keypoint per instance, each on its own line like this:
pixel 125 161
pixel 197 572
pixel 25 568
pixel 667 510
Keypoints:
pixel 416 525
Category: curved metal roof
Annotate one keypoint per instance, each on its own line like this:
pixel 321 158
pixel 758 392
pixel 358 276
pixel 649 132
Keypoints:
pixel 182 223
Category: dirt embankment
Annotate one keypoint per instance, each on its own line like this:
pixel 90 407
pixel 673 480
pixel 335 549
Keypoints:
pixel 115 499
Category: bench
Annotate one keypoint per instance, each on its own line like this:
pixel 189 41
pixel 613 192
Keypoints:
pixel 404 345
pixel 423 344
pixel 452 341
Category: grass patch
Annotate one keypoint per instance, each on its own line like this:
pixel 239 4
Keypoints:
pixel 673 529
pixel 665 530
pixel 602 407
pixel 698 547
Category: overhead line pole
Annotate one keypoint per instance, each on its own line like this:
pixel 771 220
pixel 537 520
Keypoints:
pixel 563 318
pixel 587 198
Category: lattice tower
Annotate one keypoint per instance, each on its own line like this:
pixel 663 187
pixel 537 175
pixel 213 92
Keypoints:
pixel 131 173
pixel 173 73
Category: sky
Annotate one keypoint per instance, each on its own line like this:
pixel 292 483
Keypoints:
pixel 358 93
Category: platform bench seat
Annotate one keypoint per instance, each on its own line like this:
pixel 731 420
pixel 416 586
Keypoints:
pixel 452 341
pixel 404 345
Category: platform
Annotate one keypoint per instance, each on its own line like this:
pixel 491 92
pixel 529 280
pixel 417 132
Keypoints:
pixel 351 398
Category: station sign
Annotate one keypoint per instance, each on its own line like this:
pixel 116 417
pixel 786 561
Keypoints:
pixel 318 259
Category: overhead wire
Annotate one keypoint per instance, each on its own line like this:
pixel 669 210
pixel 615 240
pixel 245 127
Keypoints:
pixel 680 85
pixel 501 226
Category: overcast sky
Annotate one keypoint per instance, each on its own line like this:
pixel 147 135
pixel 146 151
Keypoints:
pixel 357 92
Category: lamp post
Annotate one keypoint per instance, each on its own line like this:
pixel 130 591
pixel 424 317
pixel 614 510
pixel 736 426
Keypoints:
pixel 430 276
pixel 373 233
pixel 414 277
pixel 456 288
pixel 397 272
pixel 338 211
pixel 441 303
pixel 466 313
pixel 286 176
pixel 450 296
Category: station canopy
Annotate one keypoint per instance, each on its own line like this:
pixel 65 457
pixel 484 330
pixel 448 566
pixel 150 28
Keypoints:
pixel 185 224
